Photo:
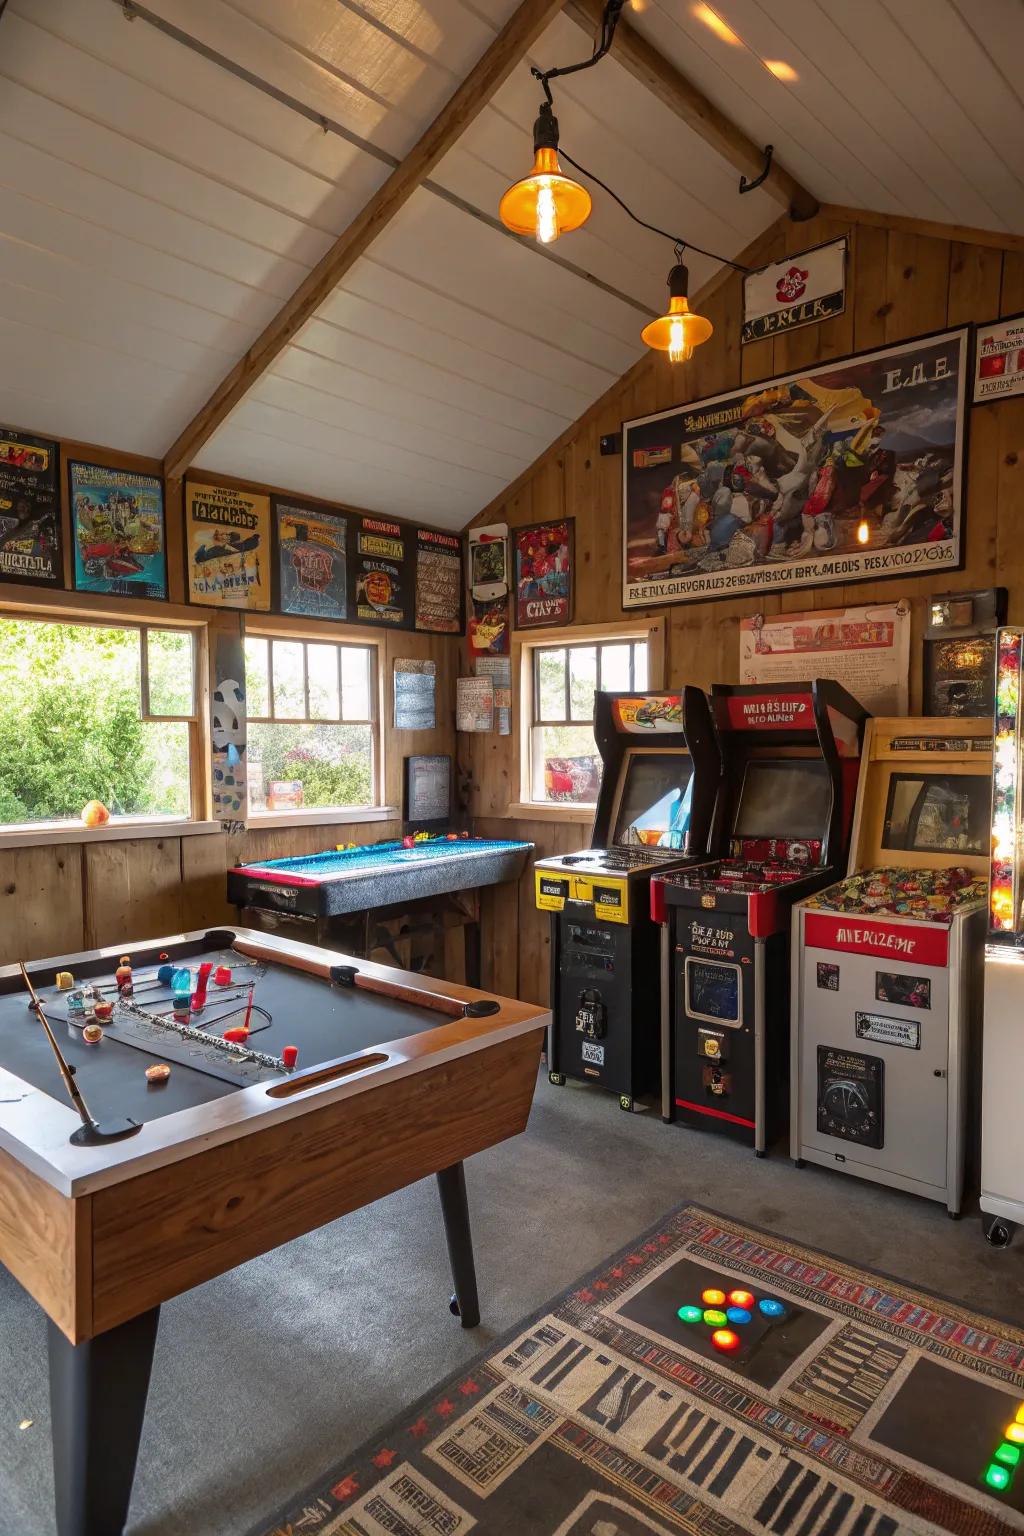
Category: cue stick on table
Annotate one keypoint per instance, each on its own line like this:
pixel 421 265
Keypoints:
pixel 351 976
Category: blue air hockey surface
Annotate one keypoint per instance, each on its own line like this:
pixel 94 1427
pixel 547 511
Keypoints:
pixel 379 875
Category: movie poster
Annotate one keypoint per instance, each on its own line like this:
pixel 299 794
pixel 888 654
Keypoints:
pixel 30 524
pixel 310 561
pixel 543 560
pixel 117 526
pixel 848 472
pixel 380 573
pixel 227 544
pixel 438 582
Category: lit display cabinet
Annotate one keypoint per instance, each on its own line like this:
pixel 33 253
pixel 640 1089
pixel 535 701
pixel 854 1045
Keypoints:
pixel 1002 1123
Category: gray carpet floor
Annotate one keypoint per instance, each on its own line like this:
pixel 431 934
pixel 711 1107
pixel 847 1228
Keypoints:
pixel 268 1376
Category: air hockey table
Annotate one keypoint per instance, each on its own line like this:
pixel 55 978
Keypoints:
pixel 348 894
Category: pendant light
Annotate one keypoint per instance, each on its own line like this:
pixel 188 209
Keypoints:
pixel 679 330
pixel 546 203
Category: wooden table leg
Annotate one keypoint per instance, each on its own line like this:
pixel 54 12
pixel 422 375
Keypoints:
pixel 465 1304
pixel 97 1405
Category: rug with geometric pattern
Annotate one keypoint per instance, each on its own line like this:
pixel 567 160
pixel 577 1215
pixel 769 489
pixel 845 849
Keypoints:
pixel 709 1379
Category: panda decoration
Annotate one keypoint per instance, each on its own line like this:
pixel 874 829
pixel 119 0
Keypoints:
pixel 228 718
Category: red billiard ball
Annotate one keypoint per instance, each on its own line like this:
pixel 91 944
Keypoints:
pixel 725 1340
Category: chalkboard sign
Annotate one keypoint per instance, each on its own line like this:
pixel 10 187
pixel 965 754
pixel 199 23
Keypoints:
pixel 712 991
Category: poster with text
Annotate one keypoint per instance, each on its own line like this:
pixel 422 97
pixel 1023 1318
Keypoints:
pixel 999 360
pixel 438 582
pixel 849 471
pixel 380 573
pixel 117 526
pixel 866 649
pixel 543 574
pixel 227 534
pixel 30 523
pixel 311 569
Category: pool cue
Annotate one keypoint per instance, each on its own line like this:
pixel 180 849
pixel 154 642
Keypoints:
pixel 352 976
pixel 74 1092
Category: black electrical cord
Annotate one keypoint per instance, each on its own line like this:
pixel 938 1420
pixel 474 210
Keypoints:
pixel 609 21
pixel 680 244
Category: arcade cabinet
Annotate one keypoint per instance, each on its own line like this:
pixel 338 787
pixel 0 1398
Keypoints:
pixel 655 812
pixel 791 753
pixel 1002 1120
pixel 886 964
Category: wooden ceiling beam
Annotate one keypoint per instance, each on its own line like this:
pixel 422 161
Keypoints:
pixel 494 67
pixel 681 96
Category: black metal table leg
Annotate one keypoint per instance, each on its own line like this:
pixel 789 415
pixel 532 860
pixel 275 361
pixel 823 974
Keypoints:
pixel 451 1183
pixel 472 943
pixel 97 1404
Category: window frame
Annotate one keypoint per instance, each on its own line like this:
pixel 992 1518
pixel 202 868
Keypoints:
pixel 372 811
pixel 525 679
pixel 121 828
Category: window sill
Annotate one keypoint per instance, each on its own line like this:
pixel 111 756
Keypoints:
pixel 550 810
pixel 322 818
pixel 121 831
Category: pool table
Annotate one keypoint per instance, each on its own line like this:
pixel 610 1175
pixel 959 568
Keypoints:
pixel 108 1211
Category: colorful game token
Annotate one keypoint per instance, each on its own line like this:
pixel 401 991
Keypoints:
pixel 65 981
pixel 725 1340
pixel 996 1476
pixel 158 1073
pixel 690 1314
pixel 713 1297
pixel 741 1299
pixel 739 1315
pixel 164 975
pixel 92 1034
pixel 290 1055
pixel 104 1011
pixel 769 1307
pixel 1008 1454
pixel 1015 1433
pixel 714 1317
pixel 222 976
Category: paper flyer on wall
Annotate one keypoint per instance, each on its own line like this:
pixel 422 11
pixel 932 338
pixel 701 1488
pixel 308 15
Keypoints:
pixel 866 649
pixel 499 670
pixel 474 704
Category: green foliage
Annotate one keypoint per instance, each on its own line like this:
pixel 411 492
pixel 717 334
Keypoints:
pixel 333 762
pixel 70 727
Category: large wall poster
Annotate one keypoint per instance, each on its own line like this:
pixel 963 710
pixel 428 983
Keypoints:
pixel 117 527
pixel 30 523
pixel 438 582
pixel 310 561
pixel 227 547
pixel 380 574
pixel 847 472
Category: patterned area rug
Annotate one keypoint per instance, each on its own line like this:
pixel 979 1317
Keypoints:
pixel 832 1403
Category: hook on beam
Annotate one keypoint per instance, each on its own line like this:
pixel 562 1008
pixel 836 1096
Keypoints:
pixel 752 186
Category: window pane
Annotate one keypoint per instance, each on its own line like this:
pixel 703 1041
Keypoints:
pixel 615 668
pixel 640 664
pixel 257 688
pixel 71 729
pixel 314 766
pixel 566 764
pixel 289 684
pixel 551 684
pixel 582 681
pixel 355 683
pixel 169 653
pixel 322 666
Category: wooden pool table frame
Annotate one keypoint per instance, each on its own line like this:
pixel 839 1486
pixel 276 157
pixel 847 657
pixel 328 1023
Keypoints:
pixel 100 1236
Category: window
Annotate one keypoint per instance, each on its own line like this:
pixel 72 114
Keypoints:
pixel 312 737
pixel 564 761
pixel 95 712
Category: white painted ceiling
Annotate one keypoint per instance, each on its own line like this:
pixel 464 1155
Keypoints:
pixel 157 210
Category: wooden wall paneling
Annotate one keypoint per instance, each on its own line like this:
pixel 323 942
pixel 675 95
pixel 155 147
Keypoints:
pixel 1009 497
pixel 45 1243
pixel 918 285
pixel 1011 297
pixel 868 284
pixel 975 273
pixel 204 900
pixel 41 902
pixel 132 890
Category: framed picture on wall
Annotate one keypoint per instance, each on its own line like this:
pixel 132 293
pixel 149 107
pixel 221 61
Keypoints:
pixel 311 567
pixel 544 574
pixel 998 360
pixel 117 531
pixel 227 547
pixel 848 471
pixel 30 520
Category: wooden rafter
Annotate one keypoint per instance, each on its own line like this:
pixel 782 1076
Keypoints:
pixel 681 96
pixel 491 70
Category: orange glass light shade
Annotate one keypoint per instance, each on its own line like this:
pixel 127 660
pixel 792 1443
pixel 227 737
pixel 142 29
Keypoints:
pixel 678 331
pixel 545 204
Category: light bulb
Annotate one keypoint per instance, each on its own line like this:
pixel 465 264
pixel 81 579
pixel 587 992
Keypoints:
pixel 863 532
pixel 546 228
pixel 678 351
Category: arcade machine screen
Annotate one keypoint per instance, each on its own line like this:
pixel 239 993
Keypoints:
pixel 789 799
pixel 928 814
pixel 655 800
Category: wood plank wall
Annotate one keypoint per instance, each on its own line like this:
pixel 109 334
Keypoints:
pixel 901 285
pixel 64 897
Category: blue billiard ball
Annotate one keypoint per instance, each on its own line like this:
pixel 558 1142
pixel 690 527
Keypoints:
pixel 738 1315
pixel 769 1307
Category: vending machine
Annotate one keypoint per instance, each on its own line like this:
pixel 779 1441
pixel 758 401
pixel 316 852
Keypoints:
pixel 887 966
pixel 655 811
pixel 791 754
pixel 1002 1093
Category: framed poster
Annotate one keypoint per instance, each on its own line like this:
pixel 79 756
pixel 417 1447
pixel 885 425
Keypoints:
pixel 489 631
pixel 488 559
pixel 849 471
pixel 227 547
pixel 117 529
pixel 30 521
pixel 311 567
pixel 379 573
pixel 998 360
pixel 866 649
pixel 438 582
pixel 544 574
